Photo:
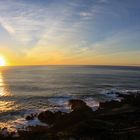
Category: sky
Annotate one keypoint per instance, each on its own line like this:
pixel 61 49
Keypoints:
pixel 70 32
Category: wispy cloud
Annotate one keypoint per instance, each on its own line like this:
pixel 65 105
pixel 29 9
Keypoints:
pixel 103 1
pixel 78 28
pixel 7 27
pixel 33 25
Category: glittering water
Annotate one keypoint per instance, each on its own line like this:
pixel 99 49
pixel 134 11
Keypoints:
pixel 29 89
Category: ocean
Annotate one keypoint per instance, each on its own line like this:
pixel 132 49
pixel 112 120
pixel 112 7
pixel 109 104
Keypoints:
pixel 29 89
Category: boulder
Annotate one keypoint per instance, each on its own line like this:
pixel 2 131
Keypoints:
pixel 110 105
pixel 47 117
pixel 30 117
pixel 76 104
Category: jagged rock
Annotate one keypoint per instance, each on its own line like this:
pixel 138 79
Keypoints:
pixel 110 105
pixel 47 117
pixel 113 120
pixel 76 104
pixel 133 100
pixel 30 117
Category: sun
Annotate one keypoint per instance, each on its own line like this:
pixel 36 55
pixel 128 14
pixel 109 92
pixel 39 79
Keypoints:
pixel 2 61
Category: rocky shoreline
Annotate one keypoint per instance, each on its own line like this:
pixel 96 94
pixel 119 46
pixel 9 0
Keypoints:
pixel 113 120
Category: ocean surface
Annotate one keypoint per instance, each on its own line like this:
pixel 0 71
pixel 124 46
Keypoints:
pixel 28 89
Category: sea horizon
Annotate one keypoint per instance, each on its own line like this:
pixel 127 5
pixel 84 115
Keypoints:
pixel 72 65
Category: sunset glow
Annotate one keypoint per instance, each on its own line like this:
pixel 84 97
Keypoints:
pixel 2 61
pixel 77 32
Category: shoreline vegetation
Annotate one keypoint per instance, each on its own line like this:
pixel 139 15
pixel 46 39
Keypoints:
pixel 113 120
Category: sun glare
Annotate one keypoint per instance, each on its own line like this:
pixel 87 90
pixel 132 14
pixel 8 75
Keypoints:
pixel 2 61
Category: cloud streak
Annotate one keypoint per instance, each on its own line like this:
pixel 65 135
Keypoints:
pixel 69 29
pixel 7 27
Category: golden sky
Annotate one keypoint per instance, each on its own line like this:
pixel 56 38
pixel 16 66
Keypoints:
pixel 77 32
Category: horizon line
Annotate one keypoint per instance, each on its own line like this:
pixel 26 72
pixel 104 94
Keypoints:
pixel 72 65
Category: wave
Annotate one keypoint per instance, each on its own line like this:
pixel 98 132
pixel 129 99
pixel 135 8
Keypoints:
pixel 113 93
pixel 16 118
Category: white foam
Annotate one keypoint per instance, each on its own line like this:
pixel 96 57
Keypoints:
pixel 132 91
pixel 23 124
pixel 92 103
pixel 62 104
pixel 59 104
pixel 110 94
pixel 113 93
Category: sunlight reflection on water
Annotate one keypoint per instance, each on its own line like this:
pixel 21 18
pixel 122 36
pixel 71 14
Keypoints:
pixel 3 88
pixel 4 105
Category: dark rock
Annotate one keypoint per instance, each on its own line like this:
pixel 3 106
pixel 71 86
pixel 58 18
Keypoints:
pixel 131 99
pixel 76 104
pixel 30 117
pixel 81 112
pixel 47 117
pixel 113 120
pixel 80 105
pixel 110 105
